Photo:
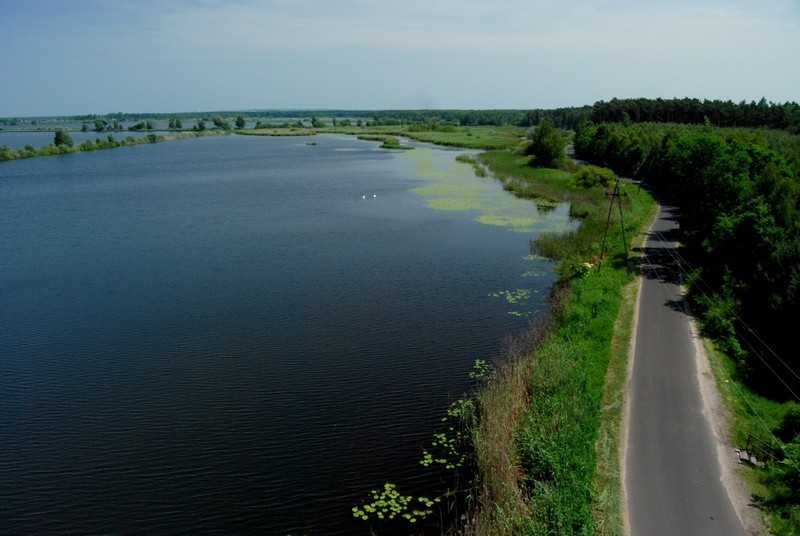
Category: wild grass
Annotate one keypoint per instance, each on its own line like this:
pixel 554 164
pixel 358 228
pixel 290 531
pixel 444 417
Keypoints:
pixel 475 137
pixel 388 142
pixel 544 465
pixel 502 504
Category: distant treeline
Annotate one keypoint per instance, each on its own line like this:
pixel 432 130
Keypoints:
pixel 687 111
pixel 566 118
pixel 696 112
pixel 739 194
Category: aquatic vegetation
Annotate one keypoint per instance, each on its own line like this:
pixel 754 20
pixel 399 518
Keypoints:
pixel 388 142
pixel 446 203
pixel 456 185
pixel 519 224
pixel 517 297
pixel 533 257
pixel 533 273
pixel 453 189
pixel 449 448
pixel 389 503
pixel 512 296
pixel 481 369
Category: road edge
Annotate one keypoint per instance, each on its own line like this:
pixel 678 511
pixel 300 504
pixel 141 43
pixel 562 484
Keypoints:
pixel 623 432
pixel 718 416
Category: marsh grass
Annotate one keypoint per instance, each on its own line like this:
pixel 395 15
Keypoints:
pixel 388 142
pixel 502 504
pixel 474 137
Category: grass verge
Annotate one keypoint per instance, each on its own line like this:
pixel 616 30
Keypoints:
pixel 541 468
pixel 763 418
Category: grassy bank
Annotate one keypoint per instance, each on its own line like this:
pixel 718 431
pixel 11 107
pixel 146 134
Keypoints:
pixel 541 468
pixel 388 142
pixel 477 137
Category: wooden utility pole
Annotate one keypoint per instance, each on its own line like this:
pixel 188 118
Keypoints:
pixel 615 195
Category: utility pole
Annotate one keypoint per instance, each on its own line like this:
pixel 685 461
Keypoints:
pixel 615 195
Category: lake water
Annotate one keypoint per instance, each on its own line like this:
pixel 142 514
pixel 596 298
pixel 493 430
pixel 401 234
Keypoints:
pixel 243 334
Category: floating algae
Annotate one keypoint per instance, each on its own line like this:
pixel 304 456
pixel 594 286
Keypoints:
pixel 454 186
pixel 451 184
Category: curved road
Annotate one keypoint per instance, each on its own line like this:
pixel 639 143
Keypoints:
pixel 672 473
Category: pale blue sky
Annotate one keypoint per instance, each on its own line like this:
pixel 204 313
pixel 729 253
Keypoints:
pixel 64 57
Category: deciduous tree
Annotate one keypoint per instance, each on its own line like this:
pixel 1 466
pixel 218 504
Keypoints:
pixel 62 137
pixel 547 145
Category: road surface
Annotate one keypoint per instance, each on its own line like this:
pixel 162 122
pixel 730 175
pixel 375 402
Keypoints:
pixel 672 471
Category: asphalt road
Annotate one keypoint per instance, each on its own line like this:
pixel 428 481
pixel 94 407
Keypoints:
pixel 672 473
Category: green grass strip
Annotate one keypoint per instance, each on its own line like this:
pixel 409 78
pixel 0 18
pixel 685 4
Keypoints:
pixel 563 481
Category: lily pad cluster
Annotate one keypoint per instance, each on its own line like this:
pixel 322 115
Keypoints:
pixel 389 503
pixel 512 296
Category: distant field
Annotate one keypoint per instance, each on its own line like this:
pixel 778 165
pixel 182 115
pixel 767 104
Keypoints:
pixel 473 137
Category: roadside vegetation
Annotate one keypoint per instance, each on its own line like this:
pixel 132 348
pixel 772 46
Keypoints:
pixel 739 193
pixel 541 466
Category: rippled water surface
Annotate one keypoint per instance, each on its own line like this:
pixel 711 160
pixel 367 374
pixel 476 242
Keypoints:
pixel 238 334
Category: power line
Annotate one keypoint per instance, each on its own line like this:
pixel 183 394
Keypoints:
pixel 681 262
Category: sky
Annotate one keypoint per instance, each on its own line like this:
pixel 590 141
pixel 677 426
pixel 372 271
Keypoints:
pixel 72 57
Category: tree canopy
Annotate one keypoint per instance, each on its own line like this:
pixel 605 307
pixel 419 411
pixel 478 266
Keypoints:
pixel 740 225
pixel 547 145
pixel 62 137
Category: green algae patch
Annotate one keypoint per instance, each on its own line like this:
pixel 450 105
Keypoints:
pixel 450 203
pixel 518 223
pixel 453 185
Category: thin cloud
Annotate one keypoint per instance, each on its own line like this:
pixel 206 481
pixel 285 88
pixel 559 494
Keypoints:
pixel 451 27
pixel 159 54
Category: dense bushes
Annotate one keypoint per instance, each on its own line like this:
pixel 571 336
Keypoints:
pixel 593 176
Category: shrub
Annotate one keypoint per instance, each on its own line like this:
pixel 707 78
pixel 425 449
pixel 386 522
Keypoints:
pixel 593 176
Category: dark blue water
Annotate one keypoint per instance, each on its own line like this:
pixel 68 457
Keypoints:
pixel 233 334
